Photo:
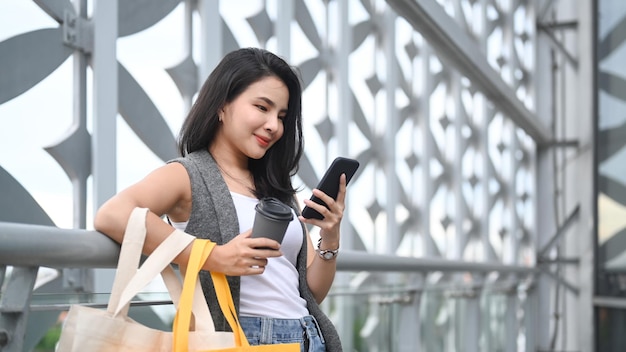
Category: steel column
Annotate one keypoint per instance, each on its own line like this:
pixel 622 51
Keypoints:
pixel 105 101
pixel 14 308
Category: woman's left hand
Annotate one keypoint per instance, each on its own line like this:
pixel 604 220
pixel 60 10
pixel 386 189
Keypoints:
pixel 331 222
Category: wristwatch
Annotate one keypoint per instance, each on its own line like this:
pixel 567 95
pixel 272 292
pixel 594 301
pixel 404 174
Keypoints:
pixel 326 254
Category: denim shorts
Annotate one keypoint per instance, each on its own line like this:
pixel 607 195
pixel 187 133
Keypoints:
pixel 267 331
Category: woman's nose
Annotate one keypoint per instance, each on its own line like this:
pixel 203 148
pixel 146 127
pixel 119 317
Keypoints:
pixel 271 125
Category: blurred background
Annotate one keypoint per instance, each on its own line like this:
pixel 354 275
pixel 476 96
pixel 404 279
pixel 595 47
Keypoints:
pixel 487 214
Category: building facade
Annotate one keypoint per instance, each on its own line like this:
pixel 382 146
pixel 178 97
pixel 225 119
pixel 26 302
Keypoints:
pixel 488 133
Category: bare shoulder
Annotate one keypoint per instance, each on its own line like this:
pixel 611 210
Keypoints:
pixel 173 175
pixel 171 170
pixel 165 190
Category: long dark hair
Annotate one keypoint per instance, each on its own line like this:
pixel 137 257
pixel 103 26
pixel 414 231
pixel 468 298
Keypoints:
pixel 235 72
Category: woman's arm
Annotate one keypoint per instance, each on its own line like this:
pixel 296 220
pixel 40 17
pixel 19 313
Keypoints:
pixel 321 272
pixel 167 190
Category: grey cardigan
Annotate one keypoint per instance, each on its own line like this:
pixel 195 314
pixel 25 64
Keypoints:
pixel 213 216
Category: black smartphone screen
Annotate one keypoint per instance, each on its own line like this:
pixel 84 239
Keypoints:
pixel 330 183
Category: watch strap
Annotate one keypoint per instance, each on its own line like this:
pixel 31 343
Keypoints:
pixel 326 254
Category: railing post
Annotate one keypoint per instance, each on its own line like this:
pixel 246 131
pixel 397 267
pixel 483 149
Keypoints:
pixel 4 338
pixel 3 270
pixel 14 308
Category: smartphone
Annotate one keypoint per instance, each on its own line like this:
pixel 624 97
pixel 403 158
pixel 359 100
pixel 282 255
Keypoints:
pixel 330 183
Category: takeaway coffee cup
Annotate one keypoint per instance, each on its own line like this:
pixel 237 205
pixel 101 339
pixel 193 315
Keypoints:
pixel 271 219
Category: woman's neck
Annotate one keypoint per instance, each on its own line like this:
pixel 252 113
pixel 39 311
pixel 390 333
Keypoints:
pixel 235 173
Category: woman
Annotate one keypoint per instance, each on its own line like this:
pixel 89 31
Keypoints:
pixel 242 141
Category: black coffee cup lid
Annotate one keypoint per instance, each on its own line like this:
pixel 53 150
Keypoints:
pixel 274 209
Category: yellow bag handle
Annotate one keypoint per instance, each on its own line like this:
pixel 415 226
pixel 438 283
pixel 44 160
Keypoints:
pixel 227 305
pixel 200 251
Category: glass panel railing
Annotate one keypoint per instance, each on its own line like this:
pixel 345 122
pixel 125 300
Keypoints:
pixel 444 318
pixel 381 318
pixel 493 310
pixel 430 312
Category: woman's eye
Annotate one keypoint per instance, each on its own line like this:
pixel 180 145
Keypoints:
pixel 261 107
pixel 282 118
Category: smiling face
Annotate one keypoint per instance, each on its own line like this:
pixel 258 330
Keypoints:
pixel 253 122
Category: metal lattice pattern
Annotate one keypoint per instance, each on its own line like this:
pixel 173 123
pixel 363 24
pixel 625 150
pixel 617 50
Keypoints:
pixel 611 126
pixel 443 173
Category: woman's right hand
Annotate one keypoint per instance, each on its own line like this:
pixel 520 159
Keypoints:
pixel 243 255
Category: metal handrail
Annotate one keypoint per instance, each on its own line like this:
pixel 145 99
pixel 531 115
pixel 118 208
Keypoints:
pixel 36 245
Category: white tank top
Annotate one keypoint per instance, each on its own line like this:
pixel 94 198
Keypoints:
pixel 275 292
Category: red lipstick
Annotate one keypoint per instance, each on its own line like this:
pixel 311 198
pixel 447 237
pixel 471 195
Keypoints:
pixel 264 142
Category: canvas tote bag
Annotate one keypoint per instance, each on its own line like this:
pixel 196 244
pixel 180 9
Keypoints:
pixel 90 329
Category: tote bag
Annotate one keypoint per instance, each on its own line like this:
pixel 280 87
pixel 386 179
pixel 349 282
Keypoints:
pixel 90 329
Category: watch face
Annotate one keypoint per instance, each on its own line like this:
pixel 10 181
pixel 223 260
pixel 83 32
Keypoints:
pixel 329 255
